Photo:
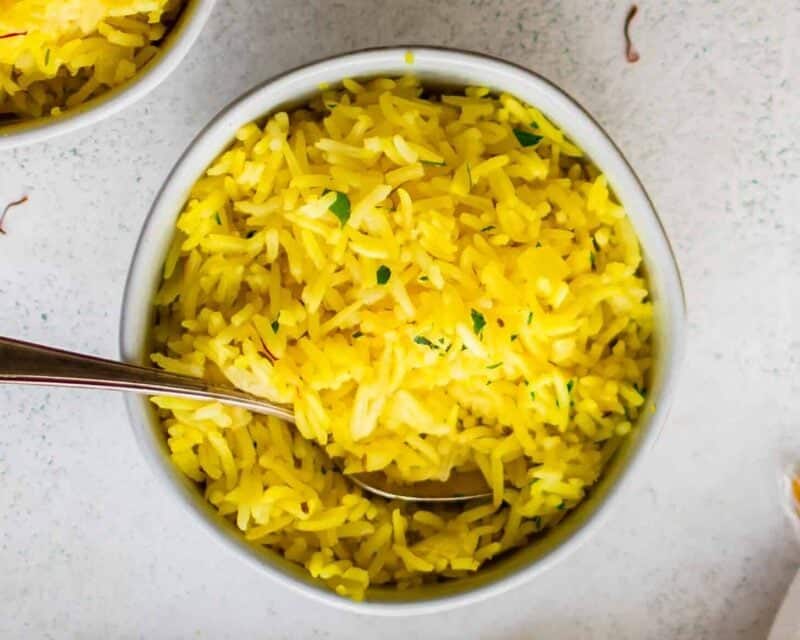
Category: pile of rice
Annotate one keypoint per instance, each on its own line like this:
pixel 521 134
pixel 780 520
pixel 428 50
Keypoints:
pixel 57 54
pixel 434 282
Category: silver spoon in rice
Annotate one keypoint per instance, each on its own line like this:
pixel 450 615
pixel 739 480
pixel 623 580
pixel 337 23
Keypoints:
pixel 27 363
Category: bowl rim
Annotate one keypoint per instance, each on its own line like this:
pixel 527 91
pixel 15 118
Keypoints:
pixel 650 428
pixel 178 42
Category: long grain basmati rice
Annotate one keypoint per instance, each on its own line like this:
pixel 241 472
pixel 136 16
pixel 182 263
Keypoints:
pixel 57 54
pixel 434 284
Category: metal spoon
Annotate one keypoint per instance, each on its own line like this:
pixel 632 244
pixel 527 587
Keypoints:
pixel 26 363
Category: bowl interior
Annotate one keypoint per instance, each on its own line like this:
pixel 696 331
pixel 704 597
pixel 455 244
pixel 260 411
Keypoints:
pixel 438 67
pixel 174 46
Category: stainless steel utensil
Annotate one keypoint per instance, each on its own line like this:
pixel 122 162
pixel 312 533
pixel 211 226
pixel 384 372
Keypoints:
pixel 27 363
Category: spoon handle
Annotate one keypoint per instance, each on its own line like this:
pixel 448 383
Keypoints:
pixel 27 363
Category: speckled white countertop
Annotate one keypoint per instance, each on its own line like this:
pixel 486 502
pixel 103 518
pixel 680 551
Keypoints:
pixel 92 547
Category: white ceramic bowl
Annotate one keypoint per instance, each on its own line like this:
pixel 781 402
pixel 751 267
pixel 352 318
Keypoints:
pixel 175 46
pixel 438 66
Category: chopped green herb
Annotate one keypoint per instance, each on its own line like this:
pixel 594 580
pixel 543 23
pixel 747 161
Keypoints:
pixel 340 207
pixel 423 278
pixel 641 392
pixel 596 246
pixel 533 396
pixel 251 233
pixel 449 346
pixel 47 57
pixel 478 321
pixel 525 382
pixel 591 258
pixel 383 274
pixel 537 521
pixel 217 218
pixel 424 342
pixel 534 124
pixel 562 505
pixel 526 138
pixel 463 347
pixel 538 244
pixel 494 366
pixel 358 334
pixel 514 336
pixel 570 384
pixel 488 382
pixel 530 317
pixel 440 341
pixel 489 228
pixel 433 164
pixel 558 404
pixel 275 325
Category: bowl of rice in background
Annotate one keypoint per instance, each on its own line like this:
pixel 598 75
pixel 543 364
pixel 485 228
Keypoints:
pixel 65 64
pixel 442 261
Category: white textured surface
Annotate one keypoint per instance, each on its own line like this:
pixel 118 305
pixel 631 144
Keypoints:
pixel 91 546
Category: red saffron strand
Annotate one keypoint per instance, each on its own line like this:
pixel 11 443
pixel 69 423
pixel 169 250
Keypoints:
pixel 7 208
pixel 630 53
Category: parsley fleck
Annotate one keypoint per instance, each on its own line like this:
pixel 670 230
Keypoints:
pixel 358 334
pixel 526 138
pixel 570 384
pixel 217 218
pixel 562 505
pixel 383 274
pixel 449 346
pixel 538 244
pixel 424 342
pixel 596 246
pixel 641 392
pixel 591 258
pixel 530 317
pixel 537 520
pixel 275 325
pixel 558 404
pixel 423 278
pixel 489 228
pixel 533 396
pixel 514 336
pixel 478 321
pixel 494 366
pixel 251 233
pixel 340 207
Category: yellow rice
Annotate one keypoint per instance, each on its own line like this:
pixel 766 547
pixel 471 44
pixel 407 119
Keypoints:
pixel 481 307
pixel 57 54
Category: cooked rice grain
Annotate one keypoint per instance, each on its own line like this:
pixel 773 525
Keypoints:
pixel 430 295
pixel 57 54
